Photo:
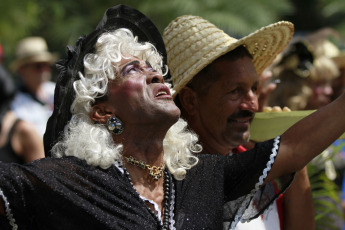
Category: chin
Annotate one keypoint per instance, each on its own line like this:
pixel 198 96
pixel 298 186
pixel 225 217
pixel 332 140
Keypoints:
pixel 175 111
pixel 171 114
pixel 241 138
pixel 176 115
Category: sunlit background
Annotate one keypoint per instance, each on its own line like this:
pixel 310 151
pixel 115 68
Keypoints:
pixel 61 22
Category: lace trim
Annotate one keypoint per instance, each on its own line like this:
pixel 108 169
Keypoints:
pixel 119 166
pixel 8 211
pixel 258 184
pixel 172 205
pixel 155 205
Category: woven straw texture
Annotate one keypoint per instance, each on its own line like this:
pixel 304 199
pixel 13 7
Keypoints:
pixel 192 43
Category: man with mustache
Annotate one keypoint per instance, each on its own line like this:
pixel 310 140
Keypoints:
pixel 218 97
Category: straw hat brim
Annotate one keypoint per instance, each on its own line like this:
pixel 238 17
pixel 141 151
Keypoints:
pixel 41 57
pixel 192 43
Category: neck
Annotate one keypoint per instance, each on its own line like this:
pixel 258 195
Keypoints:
pixel 144 142
pixel 146 148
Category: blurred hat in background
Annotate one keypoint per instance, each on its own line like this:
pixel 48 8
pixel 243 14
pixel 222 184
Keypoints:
pixel 32 50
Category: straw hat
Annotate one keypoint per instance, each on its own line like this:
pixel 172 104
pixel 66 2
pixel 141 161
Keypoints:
pixel 31 50
pixel 192 43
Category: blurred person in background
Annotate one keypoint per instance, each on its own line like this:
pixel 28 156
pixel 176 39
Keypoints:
pixel 35 97
pixel 338 86
pixel 305 79
pixel 292 72
pixel 306 75
pixel 19 142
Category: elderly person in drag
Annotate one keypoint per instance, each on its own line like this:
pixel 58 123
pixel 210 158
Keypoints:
pixel 122 159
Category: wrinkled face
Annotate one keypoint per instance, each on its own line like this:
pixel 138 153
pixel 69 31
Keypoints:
pixel 228 107
pixel 139 95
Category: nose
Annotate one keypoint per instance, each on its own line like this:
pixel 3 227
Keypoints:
pixel 154 77
pixel 250 102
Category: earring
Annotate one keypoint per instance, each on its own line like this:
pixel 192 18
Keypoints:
pixel 115 125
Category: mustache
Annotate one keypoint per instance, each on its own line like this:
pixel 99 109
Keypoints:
pixel 241 114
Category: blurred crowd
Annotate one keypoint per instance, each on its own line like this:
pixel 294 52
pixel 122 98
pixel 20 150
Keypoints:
pixel 27 96
pixel 309 74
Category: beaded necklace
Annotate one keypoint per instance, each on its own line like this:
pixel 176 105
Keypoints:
pixel 164 225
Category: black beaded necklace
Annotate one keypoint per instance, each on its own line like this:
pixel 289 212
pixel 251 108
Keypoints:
pixel 167 200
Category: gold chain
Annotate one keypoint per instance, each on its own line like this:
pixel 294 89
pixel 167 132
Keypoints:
pixel 155 172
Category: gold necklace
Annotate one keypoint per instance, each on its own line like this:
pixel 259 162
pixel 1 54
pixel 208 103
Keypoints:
pixel 155 172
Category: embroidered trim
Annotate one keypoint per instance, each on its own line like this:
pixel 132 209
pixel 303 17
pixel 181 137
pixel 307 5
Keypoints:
pixel 9 215
pixel 155 205
pixel 258 184
pixel 119 166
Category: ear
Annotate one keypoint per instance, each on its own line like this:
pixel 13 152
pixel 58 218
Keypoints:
pixel 189 100
pixel 100 113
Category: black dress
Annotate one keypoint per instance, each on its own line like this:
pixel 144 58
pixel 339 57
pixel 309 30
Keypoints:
pixel 7 153
pixel 67 193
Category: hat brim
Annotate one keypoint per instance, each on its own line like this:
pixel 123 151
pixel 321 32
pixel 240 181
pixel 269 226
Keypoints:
pixel 264 45
pixel 47 57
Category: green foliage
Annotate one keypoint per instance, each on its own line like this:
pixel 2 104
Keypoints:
pixel 326 199
pixel 61 22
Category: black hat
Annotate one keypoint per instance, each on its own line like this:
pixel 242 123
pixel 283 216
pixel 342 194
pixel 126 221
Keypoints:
pixel 298 58
pixel 119 16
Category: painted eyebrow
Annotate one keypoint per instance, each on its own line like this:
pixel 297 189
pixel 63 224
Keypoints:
pixel 148 64
pixel 131 63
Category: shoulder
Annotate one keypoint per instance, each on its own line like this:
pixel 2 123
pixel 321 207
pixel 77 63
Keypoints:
pixel 25 134
pixel 25 128
pixel 54 163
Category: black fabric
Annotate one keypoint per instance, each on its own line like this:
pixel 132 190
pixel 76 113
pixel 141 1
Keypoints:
pixel 119 16
pixel 7 153
pixel 66 193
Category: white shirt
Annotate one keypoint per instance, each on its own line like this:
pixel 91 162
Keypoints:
pixel 26 108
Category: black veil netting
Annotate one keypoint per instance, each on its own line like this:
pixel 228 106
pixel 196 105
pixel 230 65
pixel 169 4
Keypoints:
pixel 119 16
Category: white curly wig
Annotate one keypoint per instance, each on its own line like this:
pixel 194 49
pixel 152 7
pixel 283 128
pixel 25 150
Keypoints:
pixel 93 142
